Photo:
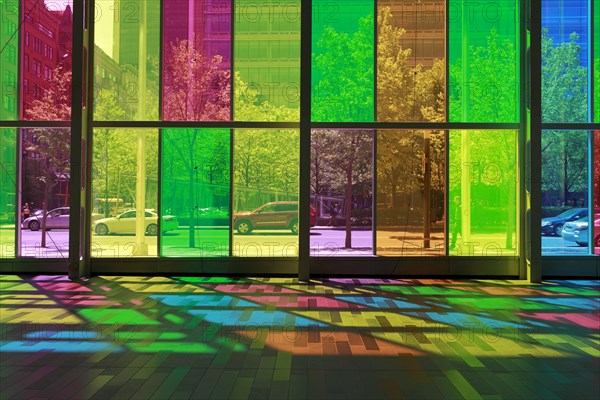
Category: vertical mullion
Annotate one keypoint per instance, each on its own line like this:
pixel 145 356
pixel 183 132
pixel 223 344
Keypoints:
pixel 77 264
pixel 305 145
pixel 17 133
pixel 160 131
pixel 446 131
pixel 231 131
pixel 522 138
pixel 374 132
pixel 534 268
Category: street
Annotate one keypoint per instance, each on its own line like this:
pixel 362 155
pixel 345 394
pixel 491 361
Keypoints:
pixel 213 242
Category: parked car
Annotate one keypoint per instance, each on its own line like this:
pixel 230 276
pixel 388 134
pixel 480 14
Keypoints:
pixel 554 225
pixel 126 223
pixel 57 218
pixel 274 215
pixel 579 231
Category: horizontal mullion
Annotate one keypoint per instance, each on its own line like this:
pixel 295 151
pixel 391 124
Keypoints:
pixel 415 125
pixel 196 124
pixel 35 124
pixel 571 127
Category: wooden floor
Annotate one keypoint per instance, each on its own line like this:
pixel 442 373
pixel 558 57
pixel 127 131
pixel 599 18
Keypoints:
pixel 275 338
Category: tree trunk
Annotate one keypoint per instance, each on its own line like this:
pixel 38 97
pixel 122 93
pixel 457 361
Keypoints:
pixel 193 211
pixel 348 207
pixel 44 213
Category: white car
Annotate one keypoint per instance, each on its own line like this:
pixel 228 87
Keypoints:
pixel 579 231
pixel 125 223
pixel 55 219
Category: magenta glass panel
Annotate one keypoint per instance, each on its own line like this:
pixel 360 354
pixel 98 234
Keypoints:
pixel 46 38
pixel 196 67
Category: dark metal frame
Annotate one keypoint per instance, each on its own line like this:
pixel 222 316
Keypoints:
pixel 528 264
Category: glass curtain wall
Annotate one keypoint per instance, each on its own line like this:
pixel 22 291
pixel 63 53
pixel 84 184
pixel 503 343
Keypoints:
pixel 163 189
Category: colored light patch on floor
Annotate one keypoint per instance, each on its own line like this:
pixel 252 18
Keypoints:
pixel 500 303
pixel 116 316
pixel 202 279
pixel 164 288
pixel 294 301
pixel 571 291
pixel 363 319
pixel 59 347
pixel 63 287
pixel 252 288
pixel 425 290
pixel 208 300
pixel 173 347
pixel 38 316
pixel 358 281
pixel 381 302
pixel 470 321
pixel 570 302
pixel 17 287
pixel 319 289
pixel 591 321
pixel 255 318
pixel 311 343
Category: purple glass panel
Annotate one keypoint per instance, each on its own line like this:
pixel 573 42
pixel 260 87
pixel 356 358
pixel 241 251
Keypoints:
pixel 46 38
pixel 196 60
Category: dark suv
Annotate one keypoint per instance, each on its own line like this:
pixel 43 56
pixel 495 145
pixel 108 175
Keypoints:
pixel 275 215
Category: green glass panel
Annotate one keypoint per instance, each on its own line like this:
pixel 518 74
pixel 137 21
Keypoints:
pixel 342 61
pixel 267 60
pixel 411 185
pixel 126 60
pixel 125 174
pixel 483 193
pixel 8 198
pixel 9 43
pixel 9 67
pixel 596 39
pixel 195 192
pixel 411 67
pixel 484 61
pixel 265 193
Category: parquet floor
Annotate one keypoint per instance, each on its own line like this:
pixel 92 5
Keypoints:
pixel 131 337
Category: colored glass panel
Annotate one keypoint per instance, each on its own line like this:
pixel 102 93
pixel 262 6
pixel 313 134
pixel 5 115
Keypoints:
pixel 411 48
pixel 484 60
pixel 565 55
pixel 343 61
pixel 196 61
pixel 126 60
pixel 341 192
pixel 267 60
pixel 596 179
pixel 596 40
pixel 45 172
pixel 125 174
pixel 9 43
pixel 195 192
pixel 483 193
pixel 265 193
pixel 46 60
pixel 565 192
pixel 8 197
pixel 411 180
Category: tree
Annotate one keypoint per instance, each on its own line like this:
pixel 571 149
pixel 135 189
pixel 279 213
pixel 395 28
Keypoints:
pixel 51 146
pixel 564 99
pixel 196 88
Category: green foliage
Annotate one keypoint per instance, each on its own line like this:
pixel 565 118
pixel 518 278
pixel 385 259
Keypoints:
pixel 564 100
pixel 342 84
pixel 486 89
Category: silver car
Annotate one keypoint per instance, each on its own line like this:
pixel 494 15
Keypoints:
pixel 55 219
